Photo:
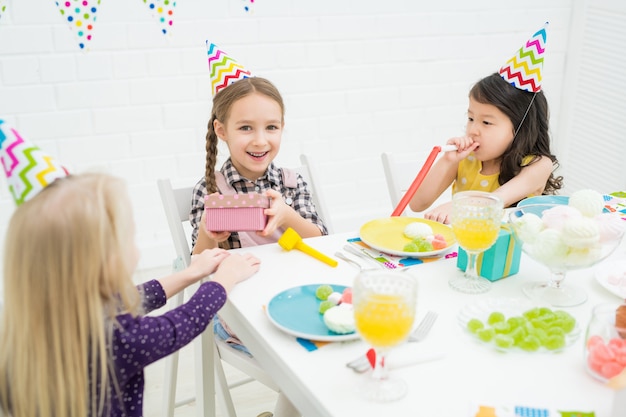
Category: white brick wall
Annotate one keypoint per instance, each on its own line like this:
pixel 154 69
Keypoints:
pixel 358 78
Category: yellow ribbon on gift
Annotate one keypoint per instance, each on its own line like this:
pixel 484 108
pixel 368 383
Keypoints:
pixel 509 254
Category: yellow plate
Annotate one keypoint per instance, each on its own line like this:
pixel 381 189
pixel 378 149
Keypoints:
pixel 387 235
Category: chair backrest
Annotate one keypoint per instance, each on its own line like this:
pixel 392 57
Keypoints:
pixel 308 170
pixel 400 171
pixel 177 205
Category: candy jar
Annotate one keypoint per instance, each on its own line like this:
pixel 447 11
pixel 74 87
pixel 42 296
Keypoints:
pixel 605 341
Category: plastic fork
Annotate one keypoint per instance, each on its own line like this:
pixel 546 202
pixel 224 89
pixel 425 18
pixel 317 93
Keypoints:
pixel 424 327
pixel 362 364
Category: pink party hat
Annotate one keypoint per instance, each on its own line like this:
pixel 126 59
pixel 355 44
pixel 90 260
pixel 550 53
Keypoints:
pixel 28 169
pixel 524 69
pixel 224 69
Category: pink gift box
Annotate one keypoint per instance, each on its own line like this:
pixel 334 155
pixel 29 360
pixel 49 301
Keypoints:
pixel 234 213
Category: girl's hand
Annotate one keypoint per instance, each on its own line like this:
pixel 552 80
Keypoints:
pixel 440 213
pixel 464 146
pixel 217 237
pixel 206 262
pixel 236 268
pixel 278 212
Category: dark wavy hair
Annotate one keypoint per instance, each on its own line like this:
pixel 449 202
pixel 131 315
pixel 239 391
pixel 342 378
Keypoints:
pixel 532 137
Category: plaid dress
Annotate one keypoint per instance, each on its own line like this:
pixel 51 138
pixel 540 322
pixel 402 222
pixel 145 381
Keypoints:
pixel 298 198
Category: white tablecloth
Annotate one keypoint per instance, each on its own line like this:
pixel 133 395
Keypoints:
pixel 471 373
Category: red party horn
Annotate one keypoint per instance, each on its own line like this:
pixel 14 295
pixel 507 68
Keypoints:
pixel 404 201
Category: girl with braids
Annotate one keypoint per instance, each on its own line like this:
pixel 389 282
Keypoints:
pixel 248 116
pixel 506 149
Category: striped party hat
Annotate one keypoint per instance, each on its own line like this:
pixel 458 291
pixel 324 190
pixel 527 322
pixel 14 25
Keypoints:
pixel 224 69
pixel 524 70
pixel 27 168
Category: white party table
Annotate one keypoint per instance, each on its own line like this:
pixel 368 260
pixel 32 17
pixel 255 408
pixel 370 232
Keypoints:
pixel 470 374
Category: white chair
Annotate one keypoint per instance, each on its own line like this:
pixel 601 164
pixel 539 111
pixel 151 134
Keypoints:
pixel 308 170
pixel 210 351
pixel 400 171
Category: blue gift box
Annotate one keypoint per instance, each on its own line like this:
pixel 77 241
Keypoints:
pixel 499 261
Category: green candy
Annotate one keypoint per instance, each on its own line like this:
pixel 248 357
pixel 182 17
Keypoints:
pixel 530 343
pixel 534 328
pixel 502 327
pixel 418 245
pixel 533 313
pixel 554 342
pixel 515 322
pixel 503 341
pixel 486 334
pixel 518 334
pixel 495 317
pixel 325 305
pixel 323 291
pixel 410 247
pixel 474 325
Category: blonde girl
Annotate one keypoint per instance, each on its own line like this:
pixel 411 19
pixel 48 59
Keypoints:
pixel 74 338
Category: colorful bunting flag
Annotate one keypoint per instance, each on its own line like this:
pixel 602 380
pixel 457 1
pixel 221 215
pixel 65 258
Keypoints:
pixel 27 168
pixel 81 16
pixel 224 70
pixel 3 7
pixel 163 11
pixel 247 5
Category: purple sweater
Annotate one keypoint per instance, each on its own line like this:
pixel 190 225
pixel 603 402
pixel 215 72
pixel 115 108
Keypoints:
pixel 145 339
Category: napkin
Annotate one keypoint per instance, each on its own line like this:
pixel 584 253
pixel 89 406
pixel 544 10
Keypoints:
pixel 393 261
pixel 616 203
pixel 480 410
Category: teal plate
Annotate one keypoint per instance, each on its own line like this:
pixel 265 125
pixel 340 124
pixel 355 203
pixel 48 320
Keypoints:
pixel 296 311
pixel 544 199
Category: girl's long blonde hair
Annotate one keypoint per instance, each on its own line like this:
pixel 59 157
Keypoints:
pixel 68 264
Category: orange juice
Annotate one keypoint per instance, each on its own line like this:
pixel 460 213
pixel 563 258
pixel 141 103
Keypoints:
pixel 475 234
pixel 384 320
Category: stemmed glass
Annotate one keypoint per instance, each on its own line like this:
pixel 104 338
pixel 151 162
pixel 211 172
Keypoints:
pixel 476 218
pixel 563 242
pixel 384 312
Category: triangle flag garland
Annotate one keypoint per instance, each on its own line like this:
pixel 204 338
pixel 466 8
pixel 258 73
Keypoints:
pixel 224 69
pixel 81 16
pixel 524 69
pixel 163 11
pixel 3 7
pixel 27 168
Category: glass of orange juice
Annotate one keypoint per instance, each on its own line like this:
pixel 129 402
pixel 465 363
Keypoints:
pixel 476 219
pixel 384 312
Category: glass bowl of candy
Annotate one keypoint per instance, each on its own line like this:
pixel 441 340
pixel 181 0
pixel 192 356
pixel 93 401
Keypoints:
pixel 564 237
pixel 605 341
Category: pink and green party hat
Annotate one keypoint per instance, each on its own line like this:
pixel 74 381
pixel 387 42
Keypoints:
pixel 524 69
pixel 224 69
pixel 27 168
